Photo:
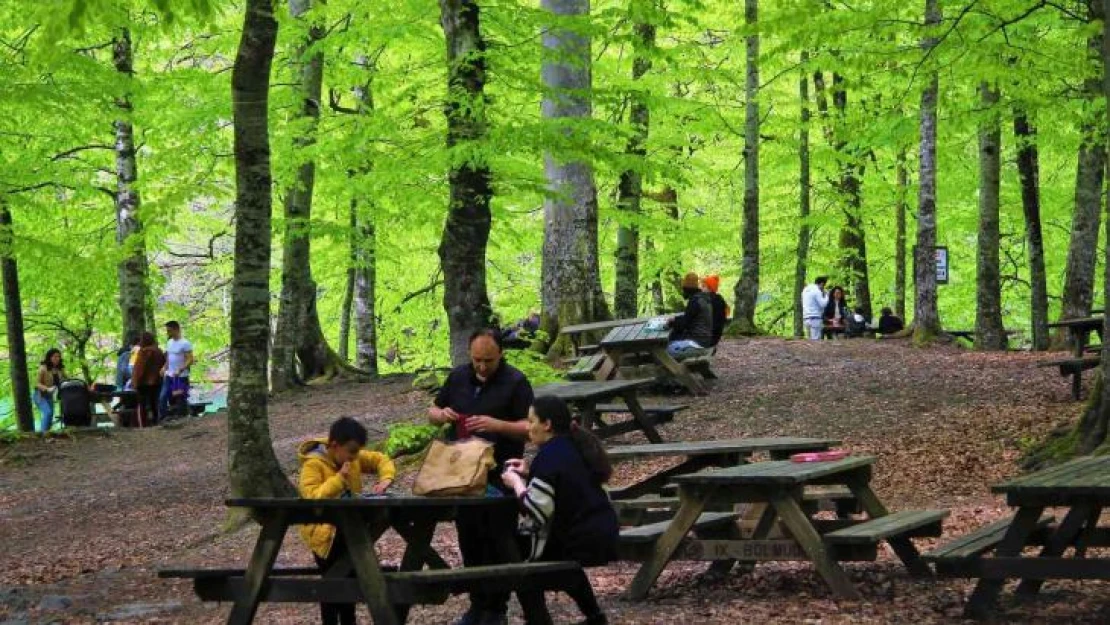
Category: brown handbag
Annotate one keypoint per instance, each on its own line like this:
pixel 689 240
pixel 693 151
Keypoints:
pixel 454 469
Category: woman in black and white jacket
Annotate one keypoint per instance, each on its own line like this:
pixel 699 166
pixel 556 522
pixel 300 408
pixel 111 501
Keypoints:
pixel 567 515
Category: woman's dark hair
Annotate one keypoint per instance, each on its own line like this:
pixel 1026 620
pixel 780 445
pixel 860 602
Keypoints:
pixel 493 333
pixel 49 354
pixel 553 410
pixel 146 339
pixel 834 290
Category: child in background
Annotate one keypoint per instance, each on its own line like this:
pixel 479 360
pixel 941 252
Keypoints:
pixel 332 468
pixel 568 515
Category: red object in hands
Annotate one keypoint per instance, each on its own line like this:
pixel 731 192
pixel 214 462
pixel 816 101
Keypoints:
pixel 820 456
pixel 461 430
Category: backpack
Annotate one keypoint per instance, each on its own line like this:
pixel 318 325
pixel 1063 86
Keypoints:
pixel 856 325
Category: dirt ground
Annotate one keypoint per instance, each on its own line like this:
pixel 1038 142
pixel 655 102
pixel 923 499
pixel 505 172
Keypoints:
pixel 85 523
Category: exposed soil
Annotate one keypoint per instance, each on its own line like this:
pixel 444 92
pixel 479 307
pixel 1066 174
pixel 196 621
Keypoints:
pixel 86 522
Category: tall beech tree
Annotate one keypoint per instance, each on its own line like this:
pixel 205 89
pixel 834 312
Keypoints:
pixel 299 337
pixel 1029 173
pixel 747 288
pixel 804 197
pixel 253 468
pixel 134 294
pixel 926 322
pixel 13 317
pixel 989 334
pixel 571 289
pixel 462 250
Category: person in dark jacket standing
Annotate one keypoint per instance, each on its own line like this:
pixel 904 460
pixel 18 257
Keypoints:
pixel 692 331
pixel 489 399
pixel 567 515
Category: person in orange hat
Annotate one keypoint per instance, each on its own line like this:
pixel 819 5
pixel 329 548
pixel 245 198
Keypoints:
pixel 692 331
pixel 710 284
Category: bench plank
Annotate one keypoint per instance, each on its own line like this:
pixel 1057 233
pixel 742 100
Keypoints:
pixel 904 523
pixel 652 531
pixel 975 544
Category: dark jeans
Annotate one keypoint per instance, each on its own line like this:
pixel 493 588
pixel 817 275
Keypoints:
pixel 148 403
pixel 478 530
pixel 164 396
pixel 335 613
pixel 577 586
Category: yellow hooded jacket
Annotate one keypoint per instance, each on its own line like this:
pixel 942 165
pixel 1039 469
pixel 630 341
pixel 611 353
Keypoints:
pixel 320 479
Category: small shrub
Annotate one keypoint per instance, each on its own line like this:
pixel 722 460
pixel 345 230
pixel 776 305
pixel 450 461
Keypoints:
pixel 409 438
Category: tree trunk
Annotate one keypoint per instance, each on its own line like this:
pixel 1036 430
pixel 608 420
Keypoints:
pixel 903 184
pixel 803 199
pixel 132 268
pixel 13 314
pixel 853 242
pixel 747 288
pixel 299 337
pixel 926 323
pixel 630 189
pixel 348 286
pixel 571 289
pixel 1079 276
pixel 462 250
pixel 253 468
pixel 989 333
pixel 365 250
pixel 1025 134
pixel 666 292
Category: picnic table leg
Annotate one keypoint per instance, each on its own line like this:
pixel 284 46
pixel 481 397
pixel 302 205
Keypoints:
pixel 367 568
pixel 1077 518
pixel 810 541
pixel 1084 539
pixel 418 545
pixel 274 526
pixel 693 502
pixel 610 366
pixel 678 370
pixel 983 598
pixel 640 416
pixel 902 546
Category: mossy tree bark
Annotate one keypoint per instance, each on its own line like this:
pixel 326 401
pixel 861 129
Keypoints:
pixel 989 333
pixel 571 283
pixel 902 180
pixel 462 249
pixel 926 322
pixel 1028 162
pixel 13 316
pixel 804 198
pixel 747 288
pixel 252 466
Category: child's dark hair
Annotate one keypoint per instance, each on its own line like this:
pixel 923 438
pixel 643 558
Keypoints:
pixel 550 409
pixel 345 430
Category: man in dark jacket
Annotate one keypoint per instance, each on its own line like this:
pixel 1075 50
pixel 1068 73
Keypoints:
pixel 692 331
pixel 720 307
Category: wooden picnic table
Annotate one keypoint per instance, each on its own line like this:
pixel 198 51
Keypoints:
pixel 700 455
pixel 779 485
pixel 641 339
pixel 585 397
pixel 1079 330
pixel 1082 486
pixel 360 522
pixel 575 332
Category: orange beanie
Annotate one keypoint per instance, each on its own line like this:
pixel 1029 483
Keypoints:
pixel 713 282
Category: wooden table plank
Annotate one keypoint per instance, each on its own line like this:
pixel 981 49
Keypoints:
pixel 732 445
pixel 776 472
pixel 597 326
pixel 1081 481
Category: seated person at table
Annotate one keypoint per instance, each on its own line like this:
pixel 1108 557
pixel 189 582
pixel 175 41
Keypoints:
pixel 692 331
pixel 487 398
pixel 332 468
pixel 889 323
pixel 720 307
pixel 857 323
pixel 836 311
pixel 567 515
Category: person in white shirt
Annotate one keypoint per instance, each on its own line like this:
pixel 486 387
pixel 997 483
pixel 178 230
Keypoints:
pixel 814 300
pixel 179 358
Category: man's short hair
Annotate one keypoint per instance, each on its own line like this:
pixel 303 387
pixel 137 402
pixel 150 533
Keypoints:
pixel 821 280
pixel 887 310
pixel 492 333
pixel 173 325
pixel 345 430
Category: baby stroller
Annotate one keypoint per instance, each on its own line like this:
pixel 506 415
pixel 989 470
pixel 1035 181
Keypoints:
pixel 74 400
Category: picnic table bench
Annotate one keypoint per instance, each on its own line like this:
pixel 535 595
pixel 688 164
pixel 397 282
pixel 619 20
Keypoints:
pixel 642 341
pixel 780 485
pixel 388 592
pixel 995 553
pixel 585 397
pixel 1079 330
pixel 969 335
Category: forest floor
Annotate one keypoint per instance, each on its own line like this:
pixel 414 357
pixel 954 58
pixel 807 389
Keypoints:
pixel 85 523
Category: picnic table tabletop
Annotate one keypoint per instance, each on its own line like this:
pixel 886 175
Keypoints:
pixel 360 521
pixel 639 339
pixel 635 335
pixel 1082 486
pixel 590 389
pixel 1093 322
pixel 774 486
pixel 597 326
pixel 733 445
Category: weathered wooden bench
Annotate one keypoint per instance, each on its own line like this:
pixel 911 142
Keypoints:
pixel 646 509
pixel 953 559
pixel 701 366
pixel 584 369
pixel 659 412
pixel 404 588
pixel 655 415
pixel 637 543
pixel 1075 368
pixel 893 527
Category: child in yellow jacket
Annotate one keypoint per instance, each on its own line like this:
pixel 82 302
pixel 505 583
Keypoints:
pixel 332 468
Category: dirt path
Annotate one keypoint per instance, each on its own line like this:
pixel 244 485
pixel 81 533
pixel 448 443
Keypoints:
pixel 85 523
